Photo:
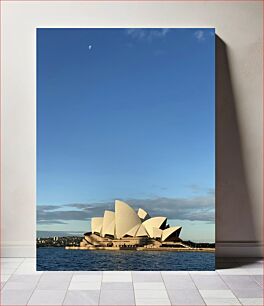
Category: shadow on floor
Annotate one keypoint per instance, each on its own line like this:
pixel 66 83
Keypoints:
pixel 229 263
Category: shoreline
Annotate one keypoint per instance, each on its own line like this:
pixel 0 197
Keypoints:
pixel 163 249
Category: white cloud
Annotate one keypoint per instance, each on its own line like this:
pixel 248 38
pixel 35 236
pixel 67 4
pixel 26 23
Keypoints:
pixel 197 208
pixel 200 36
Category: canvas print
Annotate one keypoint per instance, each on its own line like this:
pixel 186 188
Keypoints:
pixel 125 149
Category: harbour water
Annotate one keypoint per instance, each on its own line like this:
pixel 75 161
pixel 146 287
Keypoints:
pixel 59 259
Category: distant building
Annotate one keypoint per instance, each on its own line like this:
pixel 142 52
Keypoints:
pixel 125 228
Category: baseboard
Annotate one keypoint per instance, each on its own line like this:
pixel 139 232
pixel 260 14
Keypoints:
pixel 18 249
pixel 223 249
pixel 239 249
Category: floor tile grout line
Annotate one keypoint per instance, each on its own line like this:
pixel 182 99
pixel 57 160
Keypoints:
pixel 36 285
pixel 11 274
pixel 220 275
pixel 197 288
pixel 62 303
pixel 102 276
pixel 4 285
pixel 165 287
pixel 252 276
pixel 231 288
pixel 2 290
pixel 16 267
pixel 133 288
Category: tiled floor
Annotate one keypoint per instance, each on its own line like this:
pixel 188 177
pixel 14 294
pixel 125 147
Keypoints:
pixel 237 282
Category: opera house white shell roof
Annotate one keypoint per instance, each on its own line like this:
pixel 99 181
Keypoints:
pixel 125 222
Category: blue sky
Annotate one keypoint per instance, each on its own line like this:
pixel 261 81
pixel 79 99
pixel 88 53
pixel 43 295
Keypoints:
pixel 125 114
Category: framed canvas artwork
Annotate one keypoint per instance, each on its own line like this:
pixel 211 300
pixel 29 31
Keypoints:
pixel 125 149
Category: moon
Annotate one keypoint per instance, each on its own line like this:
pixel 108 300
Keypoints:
pixel 90 47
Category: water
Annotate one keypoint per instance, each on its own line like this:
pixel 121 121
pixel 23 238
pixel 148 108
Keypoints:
pixel 59 259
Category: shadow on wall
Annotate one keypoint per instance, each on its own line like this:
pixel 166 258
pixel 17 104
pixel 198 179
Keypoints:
pixel 234 216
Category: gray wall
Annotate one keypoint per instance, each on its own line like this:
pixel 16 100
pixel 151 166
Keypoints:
pixel 238 107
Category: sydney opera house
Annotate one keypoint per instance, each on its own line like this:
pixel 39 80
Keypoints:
pixel 126 228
